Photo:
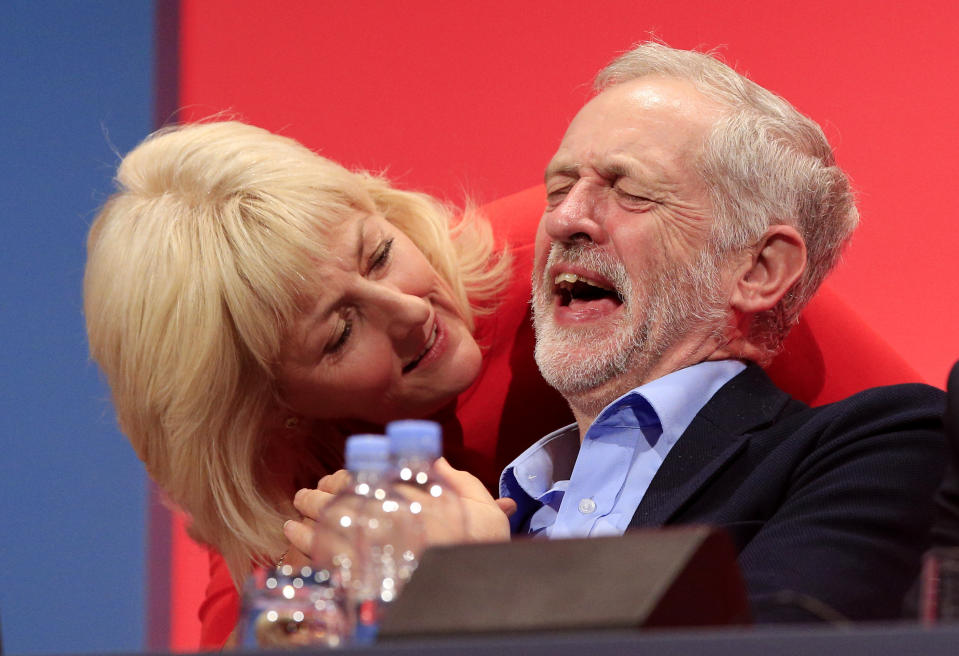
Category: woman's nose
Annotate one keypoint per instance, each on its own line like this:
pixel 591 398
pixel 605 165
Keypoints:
pixel 405 316
pixel 577 216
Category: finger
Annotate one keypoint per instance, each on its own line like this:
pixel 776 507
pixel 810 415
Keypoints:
pixel 296 558
pixel 299 534
pixel 461 482
pixel 310 503
pixel 334 482
pixel 507 505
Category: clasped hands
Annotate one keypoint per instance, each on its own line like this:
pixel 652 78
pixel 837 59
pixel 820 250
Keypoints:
pixel 486 518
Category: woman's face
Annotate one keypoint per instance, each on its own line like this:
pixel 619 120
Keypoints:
pixel 381 338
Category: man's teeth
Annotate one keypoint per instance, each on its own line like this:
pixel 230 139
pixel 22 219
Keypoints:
pixel 572 278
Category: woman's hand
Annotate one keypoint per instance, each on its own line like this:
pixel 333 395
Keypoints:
pixel 296 557
pixel 310 504
pixel 487 519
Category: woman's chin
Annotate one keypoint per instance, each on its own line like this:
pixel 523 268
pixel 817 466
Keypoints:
pixel 438 387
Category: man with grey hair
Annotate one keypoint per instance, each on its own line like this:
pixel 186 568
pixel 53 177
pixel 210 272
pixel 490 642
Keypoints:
pixel 690 216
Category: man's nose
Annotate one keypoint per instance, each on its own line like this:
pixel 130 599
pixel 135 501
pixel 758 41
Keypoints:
pixel 577 217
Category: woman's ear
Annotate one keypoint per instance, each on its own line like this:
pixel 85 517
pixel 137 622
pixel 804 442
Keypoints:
pixel 776 262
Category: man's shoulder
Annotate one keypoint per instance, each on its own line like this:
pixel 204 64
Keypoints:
pixel 905 417
pixel 902 421
pixel 917 398
pixel 905 400
pixel 889 409
pixel 909 391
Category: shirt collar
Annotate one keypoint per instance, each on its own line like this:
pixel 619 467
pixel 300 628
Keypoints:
pixel 669 403
pixel 676 398
pixel 549 459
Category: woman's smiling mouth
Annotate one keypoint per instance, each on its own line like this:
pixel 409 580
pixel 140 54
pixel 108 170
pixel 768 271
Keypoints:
pixel 410 366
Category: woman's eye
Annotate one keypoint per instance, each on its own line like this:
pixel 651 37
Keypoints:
pixel 345 329
pixel 382 255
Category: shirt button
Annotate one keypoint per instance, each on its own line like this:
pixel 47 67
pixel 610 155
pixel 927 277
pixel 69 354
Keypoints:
pixel 587 506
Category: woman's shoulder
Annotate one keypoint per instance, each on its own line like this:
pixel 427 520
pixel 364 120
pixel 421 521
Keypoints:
pixel 221 605
pixel 514 218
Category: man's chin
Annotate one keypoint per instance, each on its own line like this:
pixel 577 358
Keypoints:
pixel 571 370
pixel 587 392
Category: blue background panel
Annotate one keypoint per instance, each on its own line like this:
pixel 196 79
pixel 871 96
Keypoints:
pixel 76 87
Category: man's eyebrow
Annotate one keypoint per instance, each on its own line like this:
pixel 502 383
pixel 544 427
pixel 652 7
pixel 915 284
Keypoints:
pixel 565 169
pixel 617 170
pixel 609 170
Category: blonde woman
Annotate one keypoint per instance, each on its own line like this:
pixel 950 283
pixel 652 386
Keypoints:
pixel 252 303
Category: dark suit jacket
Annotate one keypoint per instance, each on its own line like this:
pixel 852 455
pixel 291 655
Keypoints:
pixel 946 531
pixel 830 507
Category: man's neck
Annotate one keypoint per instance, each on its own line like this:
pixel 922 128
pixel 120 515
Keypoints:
pixel 587 405
pixel 700 346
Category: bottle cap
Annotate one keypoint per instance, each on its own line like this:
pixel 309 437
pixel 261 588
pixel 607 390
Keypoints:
pixel 415 436
pixel 367 453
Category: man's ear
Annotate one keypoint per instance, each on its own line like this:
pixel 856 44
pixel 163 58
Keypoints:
pixel 774 264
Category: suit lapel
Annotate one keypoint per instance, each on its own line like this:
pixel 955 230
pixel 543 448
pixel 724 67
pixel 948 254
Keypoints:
pixel 718 432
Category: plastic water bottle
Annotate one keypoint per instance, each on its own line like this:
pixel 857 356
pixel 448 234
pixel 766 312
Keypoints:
pixel 367 538
pixel 289 607
pixel 414 446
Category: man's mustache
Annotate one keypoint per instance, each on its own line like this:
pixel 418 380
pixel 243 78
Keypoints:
pixel 590 257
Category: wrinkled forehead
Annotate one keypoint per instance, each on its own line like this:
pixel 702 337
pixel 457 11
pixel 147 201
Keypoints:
pixel 667 116
pixel 335 243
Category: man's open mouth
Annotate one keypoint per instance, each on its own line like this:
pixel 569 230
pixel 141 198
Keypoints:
pixel 574 290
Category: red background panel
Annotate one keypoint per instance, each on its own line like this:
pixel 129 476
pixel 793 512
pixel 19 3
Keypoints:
pixel 456 98
pixel 453 97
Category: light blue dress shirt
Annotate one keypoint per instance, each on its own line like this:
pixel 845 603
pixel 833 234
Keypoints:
pixel 566 489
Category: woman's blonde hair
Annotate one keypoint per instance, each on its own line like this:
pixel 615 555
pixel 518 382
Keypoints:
pixel 194 271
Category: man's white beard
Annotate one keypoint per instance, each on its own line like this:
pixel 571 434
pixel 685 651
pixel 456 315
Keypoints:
pixel 674 299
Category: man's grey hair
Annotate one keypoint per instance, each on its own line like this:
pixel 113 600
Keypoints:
pixel 764 163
